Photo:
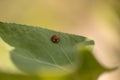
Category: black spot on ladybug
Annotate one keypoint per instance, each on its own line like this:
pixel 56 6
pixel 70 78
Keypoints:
pixel 55 38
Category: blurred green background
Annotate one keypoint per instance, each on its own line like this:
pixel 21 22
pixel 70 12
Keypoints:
pixel 96 19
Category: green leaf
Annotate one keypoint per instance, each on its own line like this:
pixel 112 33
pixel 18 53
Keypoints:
pixel 8 76
pixel 90 68
pixel 35 53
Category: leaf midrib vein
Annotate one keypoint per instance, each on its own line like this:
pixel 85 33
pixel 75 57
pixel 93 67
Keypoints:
pixel 44 62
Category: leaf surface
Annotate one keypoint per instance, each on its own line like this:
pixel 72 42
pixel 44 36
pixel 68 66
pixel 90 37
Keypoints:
pixel 35 53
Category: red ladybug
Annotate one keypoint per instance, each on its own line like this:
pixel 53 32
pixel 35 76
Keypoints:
pixel 55 38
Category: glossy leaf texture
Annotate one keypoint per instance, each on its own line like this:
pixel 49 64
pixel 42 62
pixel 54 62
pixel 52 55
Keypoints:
pixel 34 54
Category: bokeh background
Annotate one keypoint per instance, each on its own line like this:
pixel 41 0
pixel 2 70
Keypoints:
pixel 96 19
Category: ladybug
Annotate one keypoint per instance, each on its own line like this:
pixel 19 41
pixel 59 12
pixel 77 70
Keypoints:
pixel 55 38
